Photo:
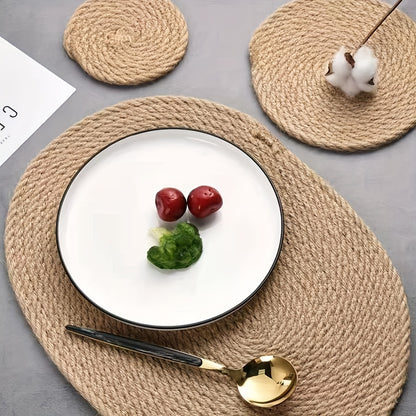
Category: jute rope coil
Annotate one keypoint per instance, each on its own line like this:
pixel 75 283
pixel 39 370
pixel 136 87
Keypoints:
pixel 334 304
pixel 126 42
pixel 289 55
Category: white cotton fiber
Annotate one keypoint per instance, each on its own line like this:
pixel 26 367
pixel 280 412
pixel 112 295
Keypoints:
pixel 340 67
pixel 365 69
pixel 352 79
pixel 366 87
pixel 336 80
pixel 350 87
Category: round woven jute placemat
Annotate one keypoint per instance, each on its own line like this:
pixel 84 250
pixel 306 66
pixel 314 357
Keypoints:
pixel 334 304
pixel 289 56
pixel 126 42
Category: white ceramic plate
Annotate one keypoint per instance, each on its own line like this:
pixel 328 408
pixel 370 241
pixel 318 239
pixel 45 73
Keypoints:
pixel 108 209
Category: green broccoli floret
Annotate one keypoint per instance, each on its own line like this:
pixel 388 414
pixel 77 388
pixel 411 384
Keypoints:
pixel 178 248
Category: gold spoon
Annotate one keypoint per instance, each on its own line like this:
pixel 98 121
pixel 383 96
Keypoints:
pixel 265 381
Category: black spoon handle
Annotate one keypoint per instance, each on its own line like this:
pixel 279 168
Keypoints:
pixel 137 346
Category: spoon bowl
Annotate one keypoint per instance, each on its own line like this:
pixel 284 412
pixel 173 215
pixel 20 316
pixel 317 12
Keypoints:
pixel 264 381
pixel 268 381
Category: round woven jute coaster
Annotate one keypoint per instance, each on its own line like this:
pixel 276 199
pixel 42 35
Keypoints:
pixel 126 42
pixel 334 304
pixel 290 53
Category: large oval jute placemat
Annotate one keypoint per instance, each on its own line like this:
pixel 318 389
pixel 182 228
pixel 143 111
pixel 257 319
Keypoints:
pixel 126 42
pixel 289 55
pixel 334 304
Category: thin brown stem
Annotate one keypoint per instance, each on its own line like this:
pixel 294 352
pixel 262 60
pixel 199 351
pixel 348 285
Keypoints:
pixel 380 22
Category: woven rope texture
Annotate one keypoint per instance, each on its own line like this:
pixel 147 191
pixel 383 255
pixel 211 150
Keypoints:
pixel 126 42
pixel 290 53
pixel 334 305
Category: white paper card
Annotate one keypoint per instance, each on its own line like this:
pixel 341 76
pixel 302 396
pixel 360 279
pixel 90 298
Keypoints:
pixel 29 95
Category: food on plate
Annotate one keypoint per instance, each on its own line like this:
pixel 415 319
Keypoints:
pixel 170 204
pixel 203 201
pixel 177 249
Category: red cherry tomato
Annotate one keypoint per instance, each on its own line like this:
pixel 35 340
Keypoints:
pixel 203 201
pixel 170 204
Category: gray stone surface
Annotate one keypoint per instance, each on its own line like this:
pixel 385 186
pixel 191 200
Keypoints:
pixel 380 185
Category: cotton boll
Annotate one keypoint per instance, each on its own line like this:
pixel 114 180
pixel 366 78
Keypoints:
pixel 365 68
pixel 340 66
pixel 354 74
